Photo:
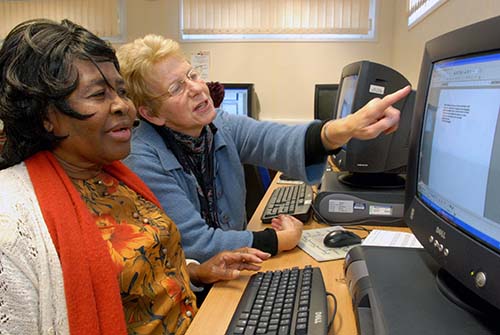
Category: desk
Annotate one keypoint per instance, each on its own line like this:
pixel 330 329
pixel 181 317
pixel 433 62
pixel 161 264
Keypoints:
pixel 221 302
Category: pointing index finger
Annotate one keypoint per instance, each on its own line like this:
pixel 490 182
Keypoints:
pixel 392 98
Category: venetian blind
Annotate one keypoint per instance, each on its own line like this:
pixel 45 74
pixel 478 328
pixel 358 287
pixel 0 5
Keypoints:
pixel 275 16
pixel 102 17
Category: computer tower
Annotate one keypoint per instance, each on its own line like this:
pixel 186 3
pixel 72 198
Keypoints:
pixel 338 203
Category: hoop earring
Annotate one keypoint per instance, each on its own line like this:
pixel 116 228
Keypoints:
pixel 49 127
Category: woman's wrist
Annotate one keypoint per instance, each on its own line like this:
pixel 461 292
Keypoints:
pixel 335 133
pixel 193 267
pixel 288 239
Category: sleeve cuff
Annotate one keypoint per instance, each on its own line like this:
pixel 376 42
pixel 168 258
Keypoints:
pixel 315 152
pixel 193 287
pixel 266 240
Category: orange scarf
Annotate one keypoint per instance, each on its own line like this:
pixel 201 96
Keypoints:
pixel 90 277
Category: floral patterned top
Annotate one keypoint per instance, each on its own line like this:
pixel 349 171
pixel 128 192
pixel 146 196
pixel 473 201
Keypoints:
pixel 145 246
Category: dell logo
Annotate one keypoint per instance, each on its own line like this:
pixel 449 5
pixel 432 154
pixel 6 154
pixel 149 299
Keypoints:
pixel 318 317
pixel 441 233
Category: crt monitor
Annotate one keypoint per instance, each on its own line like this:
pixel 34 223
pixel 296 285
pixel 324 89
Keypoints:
pixel 238 99
pixel 453 180
pixel 325 96
pixel 375 163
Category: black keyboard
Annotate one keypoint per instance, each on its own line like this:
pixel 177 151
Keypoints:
pixel 295 200
pixel 289 302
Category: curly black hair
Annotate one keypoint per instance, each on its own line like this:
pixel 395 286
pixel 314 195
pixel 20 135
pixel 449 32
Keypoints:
pixel 37 71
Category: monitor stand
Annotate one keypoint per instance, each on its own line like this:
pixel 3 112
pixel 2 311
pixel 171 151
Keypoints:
pixel 372 180
pixel 395 291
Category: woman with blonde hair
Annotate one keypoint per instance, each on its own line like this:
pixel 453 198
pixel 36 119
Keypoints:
pixel 191 154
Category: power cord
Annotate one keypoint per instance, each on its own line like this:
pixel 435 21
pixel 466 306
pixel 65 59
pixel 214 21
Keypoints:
pixel 330 323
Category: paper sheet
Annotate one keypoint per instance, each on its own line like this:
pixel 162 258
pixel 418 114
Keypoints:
pixel 312 243
pixel 387 238
pixel 201 61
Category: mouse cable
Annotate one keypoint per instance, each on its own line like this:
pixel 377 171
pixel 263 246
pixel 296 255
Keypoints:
pixel 334 313
pixel 317 216
pixel 351 227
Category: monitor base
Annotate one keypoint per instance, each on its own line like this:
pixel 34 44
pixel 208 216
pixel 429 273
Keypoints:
pixel 372 180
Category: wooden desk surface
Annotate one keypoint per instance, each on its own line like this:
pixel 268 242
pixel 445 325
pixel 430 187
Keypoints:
pixel 217 310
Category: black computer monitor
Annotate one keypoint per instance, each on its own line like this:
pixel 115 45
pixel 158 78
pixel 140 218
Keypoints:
pixel 325 96
pixel 238 99
pixel 453 179
pixel 375 163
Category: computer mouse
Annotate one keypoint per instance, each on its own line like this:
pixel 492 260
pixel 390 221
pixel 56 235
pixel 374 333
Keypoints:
pixel 341 238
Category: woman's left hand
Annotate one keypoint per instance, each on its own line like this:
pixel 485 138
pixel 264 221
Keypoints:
pixel 288 230
pixel 226 265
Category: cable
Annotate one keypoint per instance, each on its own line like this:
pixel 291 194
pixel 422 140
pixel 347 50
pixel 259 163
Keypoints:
pixel 330 323
pixel 358 228
pixel 373 222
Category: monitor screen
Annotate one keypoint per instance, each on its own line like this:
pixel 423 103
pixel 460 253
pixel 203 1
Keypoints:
pixel 346 97
pixel 237 99
pixel 325 96
pixel 453 180
pixel 460 142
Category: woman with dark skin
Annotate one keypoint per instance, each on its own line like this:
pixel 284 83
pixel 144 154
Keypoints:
pixel 85 247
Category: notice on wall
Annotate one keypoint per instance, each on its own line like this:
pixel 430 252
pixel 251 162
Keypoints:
pixel 201 61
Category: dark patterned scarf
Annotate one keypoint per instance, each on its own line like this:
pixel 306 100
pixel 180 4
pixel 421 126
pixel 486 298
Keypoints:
pixel 196 156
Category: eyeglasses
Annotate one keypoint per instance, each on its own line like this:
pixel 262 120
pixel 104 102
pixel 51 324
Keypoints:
pixel 177 87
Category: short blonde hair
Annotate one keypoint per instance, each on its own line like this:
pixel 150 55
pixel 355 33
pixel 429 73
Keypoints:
pixel 136 61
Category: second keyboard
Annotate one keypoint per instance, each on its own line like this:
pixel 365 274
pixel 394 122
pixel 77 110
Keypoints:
pixel 295 200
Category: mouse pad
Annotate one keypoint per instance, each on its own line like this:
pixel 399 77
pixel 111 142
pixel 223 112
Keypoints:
pixel 312 243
